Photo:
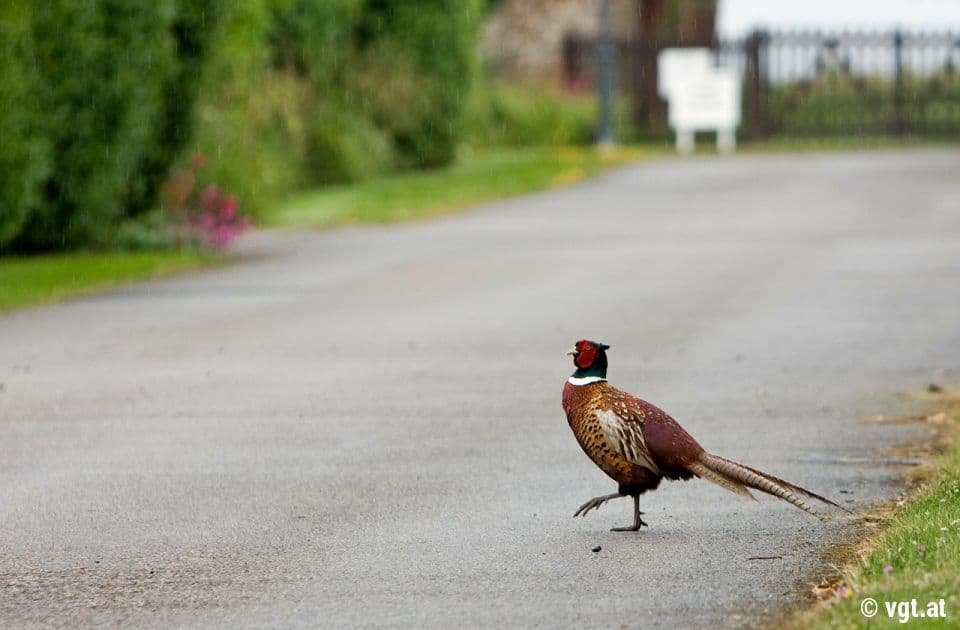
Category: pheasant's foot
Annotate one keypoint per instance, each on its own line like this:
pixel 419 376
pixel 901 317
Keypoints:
pixel 632 528
pixel 637 521
pixel 594 503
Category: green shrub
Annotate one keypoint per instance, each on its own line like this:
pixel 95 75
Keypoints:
pixel 405 66
pixel 836 104
pixel 250 119
pixel 833 102
pixel 312 38
pixel 512 116
pixel 110 88
pixel 384 85
pixel 147 232
pixel 439 37
pixel 345 147
pixel 24 158
pixel 100 97
pixel 101 68
pixel 336 133
pixel 192 29
pixel 305 93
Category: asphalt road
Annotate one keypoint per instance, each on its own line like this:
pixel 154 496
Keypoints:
pixel 363 427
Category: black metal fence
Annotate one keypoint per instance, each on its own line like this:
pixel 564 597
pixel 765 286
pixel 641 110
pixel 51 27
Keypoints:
pixel 812 83
pixel 808 83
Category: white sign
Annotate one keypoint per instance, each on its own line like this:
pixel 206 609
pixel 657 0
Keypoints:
pixel 675 65
pixel 706 102
pixel 699 96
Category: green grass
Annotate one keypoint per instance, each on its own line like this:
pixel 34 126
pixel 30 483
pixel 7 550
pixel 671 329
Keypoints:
pixel 916 555
pixel 32 280
pixel 491 174
pixel 484 176
pixel 785 143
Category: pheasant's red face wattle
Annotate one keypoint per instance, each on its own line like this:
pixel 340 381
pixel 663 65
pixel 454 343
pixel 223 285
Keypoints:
pixel 589 355
pixel 586 354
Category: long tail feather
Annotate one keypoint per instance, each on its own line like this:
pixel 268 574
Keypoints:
pixel 737 478
pixel 724 481
pixel 787 484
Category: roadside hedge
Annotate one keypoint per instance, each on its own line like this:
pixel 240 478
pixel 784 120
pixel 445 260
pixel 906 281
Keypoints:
pixel 100 66
pixel 438 39
pixel 24 155
pixel 306 93
pixel 101 98
pixel 192 28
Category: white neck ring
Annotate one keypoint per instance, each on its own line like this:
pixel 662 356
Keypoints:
pixel 586 380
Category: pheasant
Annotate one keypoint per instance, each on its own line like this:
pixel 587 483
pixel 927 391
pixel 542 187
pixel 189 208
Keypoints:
pixel 638 444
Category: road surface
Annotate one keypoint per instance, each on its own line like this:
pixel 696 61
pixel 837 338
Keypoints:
pixel 363 426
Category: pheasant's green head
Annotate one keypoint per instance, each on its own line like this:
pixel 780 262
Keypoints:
pixel 590 358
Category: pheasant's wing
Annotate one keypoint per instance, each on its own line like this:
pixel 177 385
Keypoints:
pixel 665 443
pixel 622 426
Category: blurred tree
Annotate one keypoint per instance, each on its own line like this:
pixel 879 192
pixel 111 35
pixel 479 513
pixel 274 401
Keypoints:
pixel 388 79
pixel 313 38
pixel 24 156
pixel 438 37
pixel 100 97
pixel 313 45
pixel 192 28
pixel 102 66
pixel 240 110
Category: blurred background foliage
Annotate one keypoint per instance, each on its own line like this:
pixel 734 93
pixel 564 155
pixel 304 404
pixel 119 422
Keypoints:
pixel 101 100
pixel 104 102
pixel 514 115
pixel 24 158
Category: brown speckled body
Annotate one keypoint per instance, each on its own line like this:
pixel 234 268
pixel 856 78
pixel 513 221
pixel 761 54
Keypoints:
pixel 632 441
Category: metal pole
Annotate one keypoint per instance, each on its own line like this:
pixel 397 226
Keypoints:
pixel 899 122
pixel 755 50
pixel 605 67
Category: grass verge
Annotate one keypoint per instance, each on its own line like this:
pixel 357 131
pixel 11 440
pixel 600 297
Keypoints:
pixel 484 176
pixel 914 556
pixel 33 280
pixel 796 144
pixel 487 175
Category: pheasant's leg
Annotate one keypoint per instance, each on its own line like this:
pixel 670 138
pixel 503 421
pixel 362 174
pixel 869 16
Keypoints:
pixel 637 521
pixel 596 502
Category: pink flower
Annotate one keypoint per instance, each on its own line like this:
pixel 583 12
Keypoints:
pixel 228 207
pixel 205 217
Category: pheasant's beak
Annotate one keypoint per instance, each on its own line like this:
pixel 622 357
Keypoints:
pixel 573 351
